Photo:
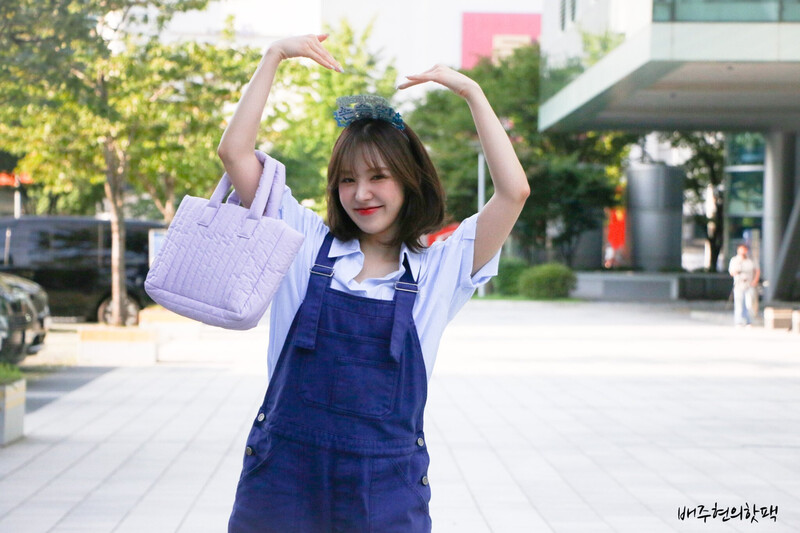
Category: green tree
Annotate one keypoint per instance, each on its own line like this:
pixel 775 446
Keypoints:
pixel 300 130
pixel 590 162
pixel 567 196
pixel 704 183
pixel 8 161
pixel 85 117
pixel 176 96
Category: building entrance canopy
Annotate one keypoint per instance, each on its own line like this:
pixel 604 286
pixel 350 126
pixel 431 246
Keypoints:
pixel 688 76
pixel 717 76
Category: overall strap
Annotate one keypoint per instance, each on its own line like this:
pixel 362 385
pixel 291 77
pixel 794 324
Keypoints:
pixel 320 279
pixel 405 292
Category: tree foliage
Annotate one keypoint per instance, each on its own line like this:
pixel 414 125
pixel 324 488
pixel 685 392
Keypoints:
pixel 92 99
pixel 704 184
pixel 572 175
pixel 299 129
pixel 176 96
pixel 567 199
pixel 98 106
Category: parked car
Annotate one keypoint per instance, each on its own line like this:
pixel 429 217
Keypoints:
pixel 71 258
pixel 34 337
pixel 16 320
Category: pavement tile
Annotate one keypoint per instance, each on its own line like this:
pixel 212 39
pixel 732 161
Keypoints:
pixel 533 424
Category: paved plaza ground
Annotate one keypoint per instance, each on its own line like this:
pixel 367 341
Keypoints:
pixel 570 417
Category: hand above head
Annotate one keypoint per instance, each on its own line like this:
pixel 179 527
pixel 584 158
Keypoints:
pixel 511 187
pixel 443 75
pixel 236 145
pixel 309 46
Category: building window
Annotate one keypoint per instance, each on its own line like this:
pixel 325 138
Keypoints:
pixel 503 45
pixel 567 10
pixel 726 11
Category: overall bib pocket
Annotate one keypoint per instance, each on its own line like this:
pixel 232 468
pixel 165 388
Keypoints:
pixel 351 374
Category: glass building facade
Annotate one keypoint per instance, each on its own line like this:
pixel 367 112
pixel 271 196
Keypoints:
pixel 726 11
pixel 744 192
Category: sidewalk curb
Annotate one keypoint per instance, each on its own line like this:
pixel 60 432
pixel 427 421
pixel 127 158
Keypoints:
pixel 116 346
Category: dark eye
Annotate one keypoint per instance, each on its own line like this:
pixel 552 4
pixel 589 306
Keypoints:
pixel 346 180
pixel 378 177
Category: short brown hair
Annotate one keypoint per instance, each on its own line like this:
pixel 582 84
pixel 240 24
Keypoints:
pixel 408 162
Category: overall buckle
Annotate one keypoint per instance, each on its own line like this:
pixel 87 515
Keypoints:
pixel 321 270
pixel 406 287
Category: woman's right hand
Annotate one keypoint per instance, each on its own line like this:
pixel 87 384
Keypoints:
pixel 309 46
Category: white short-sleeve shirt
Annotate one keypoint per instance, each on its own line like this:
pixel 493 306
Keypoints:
pixel 442 272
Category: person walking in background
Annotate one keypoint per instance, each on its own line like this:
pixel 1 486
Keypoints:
pixel 745 274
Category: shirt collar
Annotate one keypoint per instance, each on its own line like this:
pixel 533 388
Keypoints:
pixel 343 248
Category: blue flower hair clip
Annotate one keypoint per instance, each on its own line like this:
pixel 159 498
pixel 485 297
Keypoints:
pixel 352 108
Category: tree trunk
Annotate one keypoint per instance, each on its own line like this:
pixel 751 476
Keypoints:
pixel 165 206
pixel 169 211
pixel 114 186
pixel 714 234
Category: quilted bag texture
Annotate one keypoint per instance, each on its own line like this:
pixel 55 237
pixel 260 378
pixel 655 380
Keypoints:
pixel 221 263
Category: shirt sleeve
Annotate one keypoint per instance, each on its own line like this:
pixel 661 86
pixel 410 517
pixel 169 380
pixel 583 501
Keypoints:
pixel 449 265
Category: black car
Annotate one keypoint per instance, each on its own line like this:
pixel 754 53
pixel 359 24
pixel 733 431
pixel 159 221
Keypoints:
pixel 71 258
pixel 16 323
pixel 34 337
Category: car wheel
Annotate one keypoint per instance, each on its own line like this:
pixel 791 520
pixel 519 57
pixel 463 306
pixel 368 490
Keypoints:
pixel 131 308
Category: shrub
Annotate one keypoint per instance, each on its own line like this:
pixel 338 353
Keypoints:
pixel 507 280
pixel 9 373
pixel 547 282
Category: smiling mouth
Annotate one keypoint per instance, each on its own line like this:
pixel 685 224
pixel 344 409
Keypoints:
pixel 366 210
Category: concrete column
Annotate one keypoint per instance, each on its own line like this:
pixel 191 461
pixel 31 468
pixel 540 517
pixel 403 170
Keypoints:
pixel 779 188
pixel 655 217
pixel 796 172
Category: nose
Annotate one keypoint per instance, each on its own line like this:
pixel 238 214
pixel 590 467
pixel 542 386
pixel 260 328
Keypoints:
pixel 363 191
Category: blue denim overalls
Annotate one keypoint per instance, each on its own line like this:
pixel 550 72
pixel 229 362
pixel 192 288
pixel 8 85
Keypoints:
pixel 338 443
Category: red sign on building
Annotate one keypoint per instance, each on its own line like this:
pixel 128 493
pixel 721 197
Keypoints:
pixel 496 35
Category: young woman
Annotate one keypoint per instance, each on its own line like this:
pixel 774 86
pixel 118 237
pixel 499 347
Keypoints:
pixel 338 444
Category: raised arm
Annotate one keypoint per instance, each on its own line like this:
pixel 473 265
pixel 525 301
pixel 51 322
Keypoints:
pixel 511 189
pixel 239 139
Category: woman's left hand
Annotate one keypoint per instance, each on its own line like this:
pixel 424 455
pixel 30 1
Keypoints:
pixel 443 75
pixel 511 188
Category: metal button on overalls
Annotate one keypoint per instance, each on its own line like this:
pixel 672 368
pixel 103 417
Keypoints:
pixel 340 446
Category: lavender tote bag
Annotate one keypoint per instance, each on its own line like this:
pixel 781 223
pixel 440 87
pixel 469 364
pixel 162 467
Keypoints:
pixel 221 263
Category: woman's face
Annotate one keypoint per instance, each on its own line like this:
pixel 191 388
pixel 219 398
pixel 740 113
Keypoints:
pixel 371 196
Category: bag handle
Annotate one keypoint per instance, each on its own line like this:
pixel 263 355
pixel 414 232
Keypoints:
pixel 278 184
pixel 278 181
pixel 267 200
